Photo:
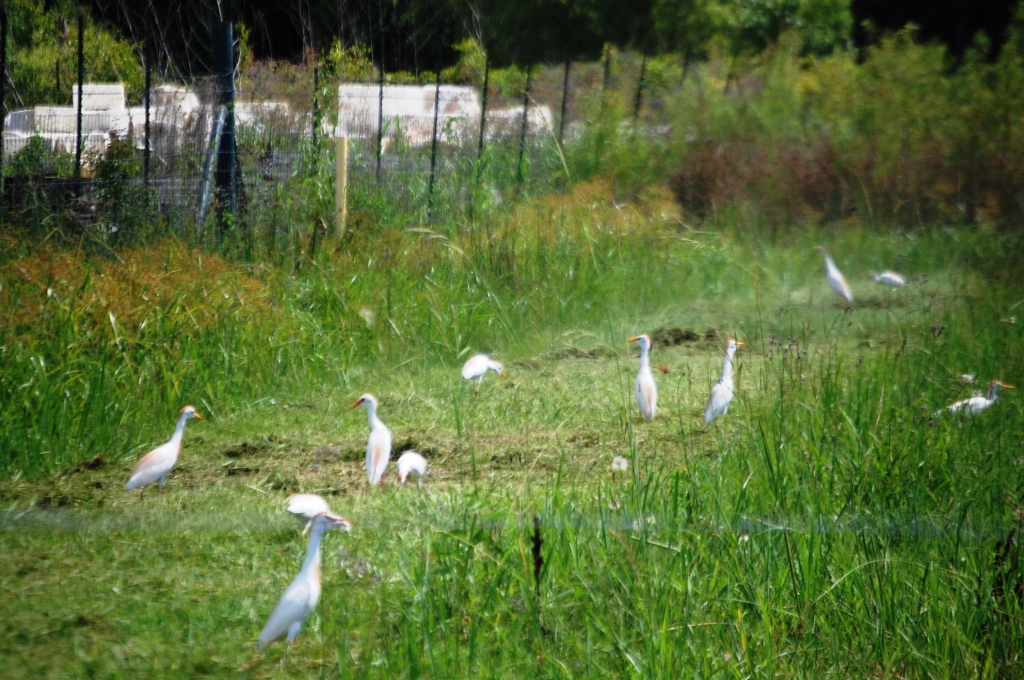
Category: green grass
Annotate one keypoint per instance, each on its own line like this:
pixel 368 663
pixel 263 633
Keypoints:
pixel 825 528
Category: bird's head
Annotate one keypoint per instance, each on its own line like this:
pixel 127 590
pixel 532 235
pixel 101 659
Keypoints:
pixel 734 345
pixel 327 521
pixel 367 401
pixel 402 474
pixel 189 412
pixel 496 366
pixel 822 250
pixel 643 340
pixel 995 386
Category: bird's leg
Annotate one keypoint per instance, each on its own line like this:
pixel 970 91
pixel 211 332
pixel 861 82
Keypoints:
pixel 162 480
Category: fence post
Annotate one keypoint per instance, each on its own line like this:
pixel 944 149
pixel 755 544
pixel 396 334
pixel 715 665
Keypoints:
pixel 565 98
pixel 522 132
pixel 380 114
pixel 316 106
pixel 483 108
pixel 221 35
pixel 149 94
pixel 607 67
pixel 81 94
pixel 340 186
pixel 3 87
pixel 640 88
pixel 433 145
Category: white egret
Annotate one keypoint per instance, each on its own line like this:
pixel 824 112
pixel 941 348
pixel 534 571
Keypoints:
pixel 477 366
pixel 835 278
pixel 412 462
pixel 306 506
pixel 300 598
pixel 721 393
pixel 888 278
pixel 977 403
pixel 154 466
pixel 378 446
pixel 644 388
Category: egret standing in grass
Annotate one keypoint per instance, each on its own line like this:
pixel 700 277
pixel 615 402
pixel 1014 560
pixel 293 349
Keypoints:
pixel 477 366
pixel 412 462
pixel 644 388
pixel 721 393
pixel 300 598
pixel 978 403
pixel 888 278
pixel 306 507
pixel 154 466
pixel 378 446
pixel 835 278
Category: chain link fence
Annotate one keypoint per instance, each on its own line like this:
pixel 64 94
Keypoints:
pixel 432 150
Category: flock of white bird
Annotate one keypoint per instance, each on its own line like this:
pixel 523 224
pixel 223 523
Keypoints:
pixel 300 598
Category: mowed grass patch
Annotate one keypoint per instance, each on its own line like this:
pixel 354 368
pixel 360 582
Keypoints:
pixel 827 526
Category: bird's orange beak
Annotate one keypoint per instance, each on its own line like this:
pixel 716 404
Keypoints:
pixel 1006 387
pixel 197 415
pixel 740 344
pixel 633 339
pixel 503 374
pixel 355 403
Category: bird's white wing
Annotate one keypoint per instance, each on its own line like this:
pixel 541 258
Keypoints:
pixel 307 505
pixel 718 402
pixel 378 453
pixel 475 367
pixel 839 286
pixel 294 606
pixel 153 465
pixel 646 395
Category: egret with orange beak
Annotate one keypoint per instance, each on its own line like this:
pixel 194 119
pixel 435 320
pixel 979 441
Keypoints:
pixel 154 466
pixel 976 404
pixel 378 446
pixel 721 393
pixel 477 366
pixel 835 278
pixel 644 388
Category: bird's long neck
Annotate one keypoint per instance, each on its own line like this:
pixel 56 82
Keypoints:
pixel 179 431
pixel 993 392
pixel 371 416
pixel 645 359
pixel 312 561
pixel 727 366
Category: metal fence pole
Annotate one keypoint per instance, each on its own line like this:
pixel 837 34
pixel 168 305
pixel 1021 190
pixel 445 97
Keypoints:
pixel 433 145
pixel 640 88
pixel 316 106
pixel 607 67
pixel 222 37
pixel 380 114
pixel 3 87
pixel 565 99
pixel 149 94
pixel 81 95
pixel 483 108
pixel 522 132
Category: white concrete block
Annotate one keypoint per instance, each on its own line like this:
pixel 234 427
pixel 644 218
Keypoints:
pixel 99 96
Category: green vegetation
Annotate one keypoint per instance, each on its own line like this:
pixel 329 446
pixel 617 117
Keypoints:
pixel 825 527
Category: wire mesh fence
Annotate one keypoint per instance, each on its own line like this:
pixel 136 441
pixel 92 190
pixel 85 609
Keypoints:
pixel 432 149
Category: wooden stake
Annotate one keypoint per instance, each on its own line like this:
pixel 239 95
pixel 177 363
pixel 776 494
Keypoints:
pixel 340 186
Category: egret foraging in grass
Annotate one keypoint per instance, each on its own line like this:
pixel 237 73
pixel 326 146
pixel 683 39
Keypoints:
pixel 154 466
pixel 888 278
pixel 721 393
pixel 300 598
pixel 378 446
pixel 306 506
pixel 835 278
pixel 477 367
pixel 977 403
pixel 412 462
pixel 644 388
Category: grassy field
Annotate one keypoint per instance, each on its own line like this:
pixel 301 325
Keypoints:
pixel 828 526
